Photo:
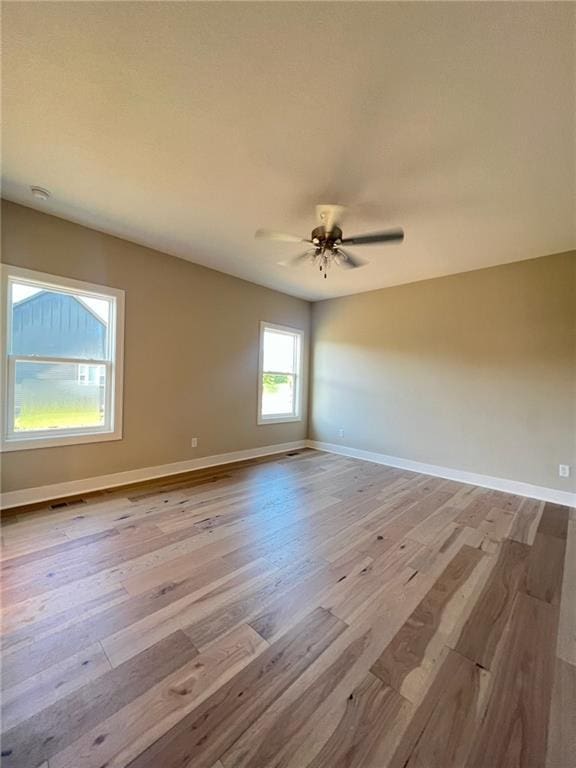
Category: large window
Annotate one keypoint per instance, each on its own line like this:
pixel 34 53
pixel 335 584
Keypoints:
pixel 61 361
pixel 280 374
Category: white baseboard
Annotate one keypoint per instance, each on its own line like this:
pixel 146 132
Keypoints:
pixel 74 487
pixel 471 478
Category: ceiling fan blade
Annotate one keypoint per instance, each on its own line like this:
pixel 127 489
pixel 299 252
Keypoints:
pixel 347 260
pixel 389 236
pixel 296 261
pixel 267 234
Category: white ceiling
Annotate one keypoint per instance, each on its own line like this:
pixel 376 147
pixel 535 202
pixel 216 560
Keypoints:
pixel 186 126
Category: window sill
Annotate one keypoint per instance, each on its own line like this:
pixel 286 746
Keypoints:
pixel 35 443
pixel 277 419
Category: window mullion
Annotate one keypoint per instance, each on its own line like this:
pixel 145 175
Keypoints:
pixel 50 359
pixel 278 373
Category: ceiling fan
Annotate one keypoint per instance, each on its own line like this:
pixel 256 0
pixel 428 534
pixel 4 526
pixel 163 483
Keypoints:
pixel 327 241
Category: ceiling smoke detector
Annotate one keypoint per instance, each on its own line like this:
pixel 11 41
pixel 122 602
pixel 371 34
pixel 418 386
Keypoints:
pixel 40 193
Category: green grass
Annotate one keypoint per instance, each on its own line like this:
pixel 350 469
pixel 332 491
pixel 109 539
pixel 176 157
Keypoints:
pixel 58 416
pixel 272 381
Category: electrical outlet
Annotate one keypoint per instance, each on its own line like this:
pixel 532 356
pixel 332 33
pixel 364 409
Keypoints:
pixel 564 470
pixel 340 433
pixel 194 442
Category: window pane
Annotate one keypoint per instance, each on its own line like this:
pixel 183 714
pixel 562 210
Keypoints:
pixel 279 351
pixel 58 396
pixel 277 394
pixel 50 323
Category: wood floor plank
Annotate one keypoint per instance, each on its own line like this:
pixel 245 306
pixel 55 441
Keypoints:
pixel 209 731
pixel 16 564
pixel 149 716
pixel 567 626
pixel 263 744
pixel 497 524
pixel 239 611
pixel 289 607
pixel 546 559
pixel 403 496
pixel 475 512
pixel 104 581
pixel 294 541
pixel 546 568
pixel 514 731
pixel 349 597
pixel 55 571
pixel 31 632
pixel 371 631
pixel 411 647
pixel 446 544
pixel 426 531
pixel 30 545
pixel 354 536
pixel 53 728
pixel 179 614
pixel 443 727
pixel 59 645
pixel 484 629
pixel 526 521
pixel 370 713
pixel 44 688
pixel 70 596
pixel 554 520
pixel 405 520
pixel 381 620
pixel 561 751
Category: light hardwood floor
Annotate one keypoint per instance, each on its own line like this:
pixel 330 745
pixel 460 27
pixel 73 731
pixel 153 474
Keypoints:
pixel 306 610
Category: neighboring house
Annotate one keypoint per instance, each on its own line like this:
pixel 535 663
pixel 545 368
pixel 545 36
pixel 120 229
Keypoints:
pixel 58 325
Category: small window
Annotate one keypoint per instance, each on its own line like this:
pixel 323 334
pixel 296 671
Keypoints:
pixel 61 359
pixel 280 374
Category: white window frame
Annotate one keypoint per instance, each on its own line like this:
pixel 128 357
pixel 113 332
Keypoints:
pixel 296 414
pixel 114 364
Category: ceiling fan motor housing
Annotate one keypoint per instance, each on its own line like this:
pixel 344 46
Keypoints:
pixel 326 240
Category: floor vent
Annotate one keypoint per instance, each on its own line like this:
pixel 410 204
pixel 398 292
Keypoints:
pixel 293 453
pixel 60 504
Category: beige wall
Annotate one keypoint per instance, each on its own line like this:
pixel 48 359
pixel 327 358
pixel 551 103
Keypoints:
pixel 191 351
pixel 475 371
